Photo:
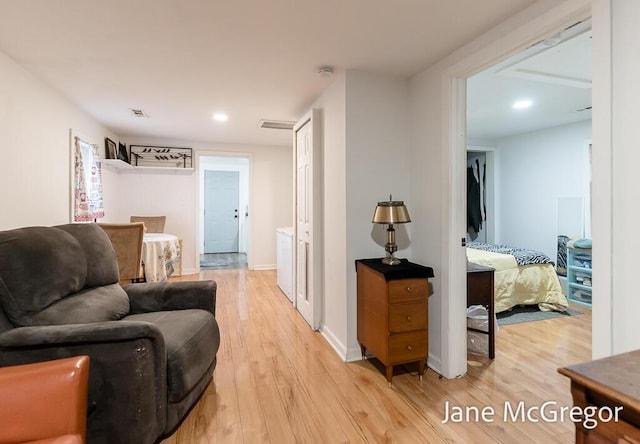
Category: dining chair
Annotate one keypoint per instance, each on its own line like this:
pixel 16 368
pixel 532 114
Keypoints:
pixel 127 242
pixel 153 224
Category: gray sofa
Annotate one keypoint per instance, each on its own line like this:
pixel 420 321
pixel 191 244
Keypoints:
pixel 152 346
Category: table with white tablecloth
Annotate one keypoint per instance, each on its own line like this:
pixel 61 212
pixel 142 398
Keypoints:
pixel 161 256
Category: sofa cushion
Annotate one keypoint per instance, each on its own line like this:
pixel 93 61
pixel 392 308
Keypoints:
pixel 102 264
pixel 189 336
pixel 100 304
pixel 38 266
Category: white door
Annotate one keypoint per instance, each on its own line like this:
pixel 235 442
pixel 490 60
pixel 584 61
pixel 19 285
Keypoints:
pixel 221 212
pixel 308 242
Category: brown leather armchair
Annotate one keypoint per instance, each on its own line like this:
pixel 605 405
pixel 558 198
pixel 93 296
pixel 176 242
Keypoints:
pixel 45 402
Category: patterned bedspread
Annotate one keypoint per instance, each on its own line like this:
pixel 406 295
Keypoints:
pixel 523 256
pixel 516 284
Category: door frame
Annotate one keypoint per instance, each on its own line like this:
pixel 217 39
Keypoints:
pixel 544 20
pixel 200 202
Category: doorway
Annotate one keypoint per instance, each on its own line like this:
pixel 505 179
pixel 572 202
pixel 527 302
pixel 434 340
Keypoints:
pixel 221 204
pixel 471 60
pixel 224 211
pixel 534 109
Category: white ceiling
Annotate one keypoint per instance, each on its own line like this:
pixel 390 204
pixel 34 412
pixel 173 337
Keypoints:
pixel 555 75
pixel 183 60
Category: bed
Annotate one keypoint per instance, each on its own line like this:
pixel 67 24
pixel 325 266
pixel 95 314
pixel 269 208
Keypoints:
pixel 522 277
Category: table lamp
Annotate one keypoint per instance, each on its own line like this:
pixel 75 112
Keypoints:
pixel 391 212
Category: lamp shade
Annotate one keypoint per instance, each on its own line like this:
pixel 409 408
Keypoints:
pixel 391 212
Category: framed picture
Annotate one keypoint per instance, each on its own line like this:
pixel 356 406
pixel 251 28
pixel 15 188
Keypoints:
pixel 110 149
pixel 122 152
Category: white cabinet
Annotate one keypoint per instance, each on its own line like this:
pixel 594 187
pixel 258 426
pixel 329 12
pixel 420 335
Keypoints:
pixel 284 248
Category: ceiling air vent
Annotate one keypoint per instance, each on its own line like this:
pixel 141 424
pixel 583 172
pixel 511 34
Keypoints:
pixel 138 112
pixel 276 124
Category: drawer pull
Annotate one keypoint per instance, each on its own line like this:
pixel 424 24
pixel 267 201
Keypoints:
pixel 409 348
pixel 408 318
pixel 409 290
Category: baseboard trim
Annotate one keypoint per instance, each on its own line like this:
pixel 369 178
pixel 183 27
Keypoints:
pixel 264 267
pixel 354 354
pixel 434 363
pixel 346 354
pixel 333 341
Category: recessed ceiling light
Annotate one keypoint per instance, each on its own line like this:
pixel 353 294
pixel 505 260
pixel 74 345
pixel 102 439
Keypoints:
pixel 220 117
pixel 522 104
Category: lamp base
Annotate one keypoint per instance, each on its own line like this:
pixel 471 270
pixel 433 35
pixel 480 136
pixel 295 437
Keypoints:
pixel 390 260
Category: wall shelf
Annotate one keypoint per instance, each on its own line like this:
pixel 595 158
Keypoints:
pixel 122 167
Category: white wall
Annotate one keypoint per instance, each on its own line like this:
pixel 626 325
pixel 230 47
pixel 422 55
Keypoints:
pixel 428 194
pixel 177 197
pixel 536 169
pixel 365 157
pixel 333 323
pixel 158 194
pixel 34 140
pixel 377 142
pixel 625 96
pixel 35 149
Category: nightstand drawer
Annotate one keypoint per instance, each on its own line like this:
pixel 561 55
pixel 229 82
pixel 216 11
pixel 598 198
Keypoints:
pixel 408 317
pixel 407 346
pixel 405 290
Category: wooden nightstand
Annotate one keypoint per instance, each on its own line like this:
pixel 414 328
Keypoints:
pixel 393 312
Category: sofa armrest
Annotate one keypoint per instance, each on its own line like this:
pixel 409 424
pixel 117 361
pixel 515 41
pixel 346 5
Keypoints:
pixel 79 334
pixel 45 400
pixel 162 296
pixel 127 377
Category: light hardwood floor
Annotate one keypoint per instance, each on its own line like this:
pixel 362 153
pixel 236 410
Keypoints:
pixel 277 381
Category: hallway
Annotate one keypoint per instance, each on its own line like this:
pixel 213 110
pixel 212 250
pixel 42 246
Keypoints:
pixel 223 261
